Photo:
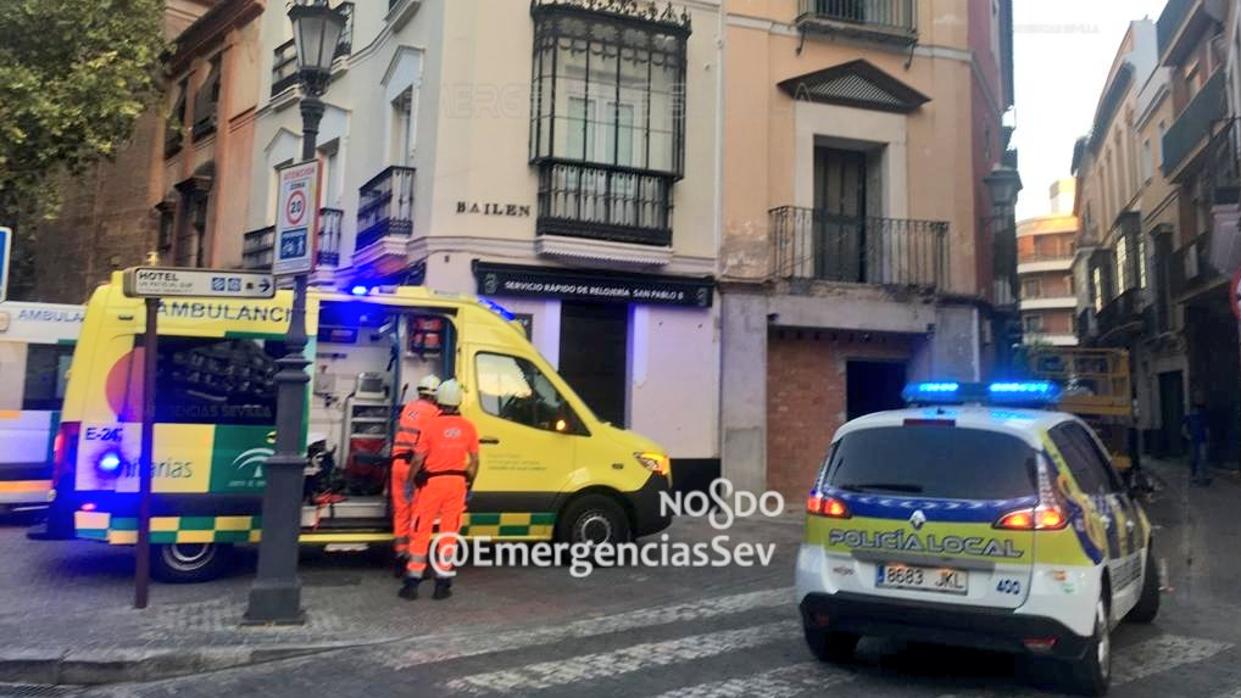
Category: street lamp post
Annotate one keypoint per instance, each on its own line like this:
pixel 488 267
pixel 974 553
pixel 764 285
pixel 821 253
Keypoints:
pixel 276 594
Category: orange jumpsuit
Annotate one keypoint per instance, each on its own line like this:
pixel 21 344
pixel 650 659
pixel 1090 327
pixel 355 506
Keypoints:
pixel 447 442
pixel 413 418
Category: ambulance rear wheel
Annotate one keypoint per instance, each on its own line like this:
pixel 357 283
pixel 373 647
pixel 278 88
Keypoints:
pixel 593 518
pixel 186 563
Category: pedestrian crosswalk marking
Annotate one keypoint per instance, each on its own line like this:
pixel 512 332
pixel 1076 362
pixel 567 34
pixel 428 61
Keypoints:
pixel 640 657
pixel 1139 661
pixel 1161 654
pixel 473 645
pixel 784 682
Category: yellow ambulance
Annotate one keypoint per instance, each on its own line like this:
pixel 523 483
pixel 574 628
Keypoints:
pixel 549 468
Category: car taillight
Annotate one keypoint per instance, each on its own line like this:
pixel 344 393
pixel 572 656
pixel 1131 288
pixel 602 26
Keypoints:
pixel 1039 518
pixel 826 505
pixel 65 450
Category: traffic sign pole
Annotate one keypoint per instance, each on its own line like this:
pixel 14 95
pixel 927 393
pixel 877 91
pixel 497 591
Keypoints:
pixel 152 284
pixel 6 258
pixel 150 348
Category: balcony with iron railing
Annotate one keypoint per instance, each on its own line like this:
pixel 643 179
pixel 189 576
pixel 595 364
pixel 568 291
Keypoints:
pixel 817 245
pixel 284 60
pixel 605 203
pixel 1178 27
pixel 1190 269
pixel 881 20
pixel 1122 314
pixel 258 246
pixel 386 207
pixel 1196 124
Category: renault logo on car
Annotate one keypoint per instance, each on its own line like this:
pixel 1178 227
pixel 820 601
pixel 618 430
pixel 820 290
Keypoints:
pixel 917 519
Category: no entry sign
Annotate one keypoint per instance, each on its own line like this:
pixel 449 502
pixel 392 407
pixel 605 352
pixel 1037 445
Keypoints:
pixel 297 220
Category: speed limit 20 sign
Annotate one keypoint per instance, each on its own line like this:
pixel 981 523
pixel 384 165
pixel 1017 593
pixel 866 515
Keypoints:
pixel 297 219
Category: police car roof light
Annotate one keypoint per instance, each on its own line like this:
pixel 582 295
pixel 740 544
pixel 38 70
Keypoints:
pixel 933 392
pixel 359 290
pixel 1024 392
pixel 1016 393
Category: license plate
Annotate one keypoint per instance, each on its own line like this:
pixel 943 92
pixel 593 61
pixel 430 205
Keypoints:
pixel 943 580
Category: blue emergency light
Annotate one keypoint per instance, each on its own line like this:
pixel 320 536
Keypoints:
pixel 1026 393
pixel 497 309
pixel 360 290
pixel 109 463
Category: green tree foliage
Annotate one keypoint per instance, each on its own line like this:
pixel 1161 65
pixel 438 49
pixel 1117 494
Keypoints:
pixel 74 77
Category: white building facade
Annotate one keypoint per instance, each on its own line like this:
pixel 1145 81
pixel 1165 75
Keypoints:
pixel 560 157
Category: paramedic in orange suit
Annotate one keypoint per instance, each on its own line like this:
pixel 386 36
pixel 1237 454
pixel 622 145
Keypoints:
pixel 444 467
pixel 413 418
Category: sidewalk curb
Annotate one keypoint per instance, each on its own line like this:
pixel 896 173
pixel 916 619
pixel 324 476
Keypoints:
pixel 92 668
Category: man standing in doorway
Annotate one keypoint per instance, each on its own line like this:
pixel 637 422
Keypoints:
pixel 414 417
pixel 447 443
pixel 1196 430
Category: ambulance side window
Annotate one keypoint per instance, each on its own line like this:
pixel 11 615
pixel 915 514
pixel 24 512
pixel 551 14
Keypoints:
pixel 515 390
pixel 47 368
pixel 223 381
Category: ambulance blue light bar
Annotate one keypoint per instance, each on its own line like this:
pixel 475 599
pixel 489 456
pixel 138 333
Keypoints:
pixel 497 309
pixel 1024 393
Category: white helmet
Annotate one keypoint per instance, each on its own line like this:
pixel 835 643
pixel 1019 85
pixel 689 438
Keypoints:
pixel 428 385
pixel 449 394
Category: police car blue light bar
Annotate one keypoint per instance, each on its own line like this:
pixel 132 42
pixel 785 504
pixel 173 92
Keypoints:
pixel 1024 393
pixel 933 392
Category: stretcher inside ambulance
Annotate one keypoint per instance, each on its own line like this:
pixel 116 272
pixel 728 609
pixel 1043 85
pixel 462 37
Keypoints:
pixel 549 468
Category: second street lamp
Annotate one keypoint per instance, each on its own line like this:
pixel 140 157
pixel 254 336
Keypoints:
pixel 276 594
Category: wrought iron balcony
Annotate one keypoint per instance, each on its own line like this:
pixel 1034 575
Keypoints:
pixel 814 244
pixel 386 206
pixel 882 20
pixel 1190 269
pixel 257 246
pixel 1196 123
pixel 1123 314
pixel 284 67
pixel 284 60
pixel 1178 29
pixel 606 203
pixel 331 221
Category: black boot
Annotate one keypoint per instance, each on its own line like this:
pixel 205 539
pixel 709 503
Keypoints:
pixel 409 590
pixel 443 589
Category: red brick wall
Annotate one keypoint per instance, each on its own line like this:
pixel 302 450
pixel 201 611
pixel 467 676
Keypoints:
pixel 806 371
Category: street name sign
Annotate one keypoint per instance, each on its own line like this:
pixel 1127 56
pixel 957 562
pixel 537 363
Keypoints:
pixel 297 219
pixel 157 282
pixel 6 255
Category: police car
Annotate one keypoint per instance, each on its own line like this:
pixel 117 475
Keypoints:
pixel 975 518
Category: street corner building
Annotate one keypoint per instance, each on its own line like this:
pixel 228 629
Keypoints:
pixel 864 243
pixel 558 157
